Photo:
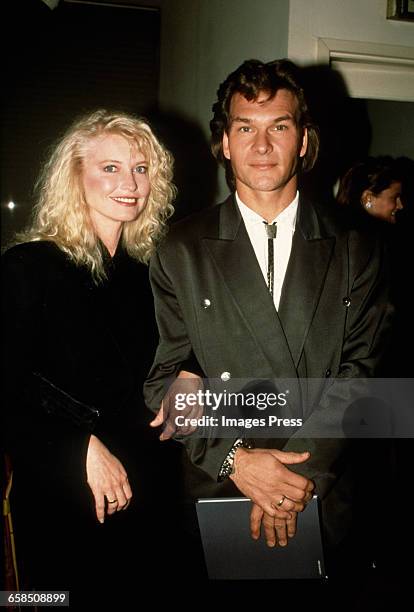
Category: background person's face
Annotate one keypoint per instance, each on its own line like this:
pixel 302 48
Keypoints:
pixel 115 181
pixel 387 203
pixel 263 142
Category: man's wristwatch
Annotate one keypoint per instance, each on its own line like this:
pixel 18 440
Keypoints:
pixel 227 467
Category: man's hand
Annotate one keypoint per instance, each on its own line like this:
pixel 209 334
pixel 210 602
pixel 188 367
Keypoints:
pixel 262 475
pixel 185 383
pixel 107 478
pixel 276 531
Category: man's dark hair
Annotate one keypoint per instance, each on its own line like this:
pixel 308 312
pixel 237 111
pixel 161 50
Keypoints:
pixel 251 79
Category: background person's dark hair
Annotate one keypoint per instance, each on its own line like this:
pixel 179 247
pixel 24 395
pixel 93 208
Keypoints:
pixel 374 174
pixel 251 79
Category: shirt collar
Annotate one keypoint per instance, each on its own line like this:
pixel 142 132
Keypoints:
pixel 287 216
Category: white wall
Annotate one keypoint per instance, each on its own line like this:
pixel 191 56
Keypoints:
pixel 355 20
pixel 202 41
pixel 363 21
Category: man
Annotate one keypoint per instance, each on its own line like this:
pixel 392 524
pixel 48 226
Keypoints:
pixel 318 310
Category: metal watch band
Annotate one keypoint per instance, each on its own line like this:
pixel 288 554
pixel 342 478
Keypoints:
pixel 227 467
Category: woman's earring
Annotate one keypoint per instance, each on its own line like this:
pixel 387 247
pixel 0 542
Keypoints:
pixel 368 204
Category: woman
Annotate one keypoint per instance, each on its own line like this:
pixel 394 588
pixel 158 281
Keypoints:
pixel 373 194
pixel 373 187
pixel 78 340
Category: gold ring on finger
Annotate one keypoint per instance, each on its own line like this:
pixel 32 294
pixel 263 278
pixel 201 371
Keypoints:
pixel 281 500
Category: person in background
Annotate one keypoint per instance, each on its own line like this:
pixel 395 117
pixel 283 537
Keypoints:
pixel 78 338
pixel 372 187
pixel 376 196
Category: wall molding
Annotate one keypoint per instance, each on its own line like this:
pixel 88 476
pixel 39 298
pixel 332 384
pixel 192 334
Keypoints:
pixel 371 70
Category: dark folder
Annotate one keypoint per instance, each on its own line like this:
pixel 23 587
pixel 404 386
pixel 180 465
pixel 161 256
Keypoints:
pixel 232 554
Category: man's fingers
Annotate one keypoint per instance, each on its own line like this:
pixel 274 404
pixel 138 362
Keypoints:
pixel 167 433
pixel 269 508
pixel 268 523
pixel 310 487
pixel 159 419
pixel 184 383
pixel 281 532
pixel 280 513
pixel 295 486
pixel 170 426
pixel 308 496
pixel 289 506
pixel 256 515
pixel 275 530
pixel 289 457
pixel 291 526
pixel 169 430
pixel 295 490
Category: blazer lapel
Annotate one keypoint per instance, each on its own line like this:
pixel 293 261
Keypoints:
pixel 308 264
pixel 236 260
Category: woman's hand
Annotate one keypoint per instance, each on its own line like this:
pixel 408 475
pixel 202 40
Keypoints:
pixel 107 478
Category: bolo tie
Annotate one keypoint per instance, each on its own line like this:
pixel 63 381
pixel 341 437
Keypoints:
pixel 271 231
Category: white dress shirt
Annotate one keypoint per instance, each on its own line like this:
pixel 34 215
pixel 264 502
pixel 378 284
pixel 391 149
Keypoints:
pixel 256 230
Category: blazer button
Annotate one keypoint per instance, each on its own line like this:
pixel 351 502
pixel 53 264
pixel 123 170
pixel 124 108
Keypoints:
pixel 328 373
pixel 346 301
pixel 225 376
pixel 206 303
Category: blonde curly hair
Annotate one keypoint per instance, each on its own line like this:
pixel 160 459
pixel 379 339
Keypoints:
pixel 61 214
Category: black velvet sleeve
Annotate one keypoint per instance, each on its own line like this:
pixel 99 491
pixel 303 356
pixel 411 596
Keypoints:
pixel 35 437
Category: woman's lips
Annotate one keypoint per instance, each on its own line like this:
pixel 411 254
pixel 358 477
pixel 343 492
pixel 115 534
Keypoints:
pixel 124 201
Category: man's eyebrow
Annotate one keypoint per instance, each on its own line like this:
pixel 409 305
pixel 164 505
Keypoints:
pixel 240 119
pixel 284 118
pixel 248 120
